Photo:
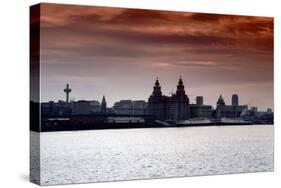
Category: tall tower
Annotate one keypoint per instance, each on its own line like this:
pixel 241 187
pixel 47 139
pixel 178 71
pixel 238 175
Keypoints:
pixel 157 88
pixel 235 101
pixel 67 90
pixel 180 88
pixel 157 103
pixel 179 103
pixel 103 105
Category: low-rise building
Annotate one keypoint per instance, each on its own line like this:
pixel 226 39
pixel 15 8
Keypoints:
pixel 59 108
pixel 129 107
pixel 200 111
pixel 84 107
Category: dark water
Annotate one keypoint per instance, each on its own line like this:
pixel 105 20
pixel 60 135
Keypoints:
pixel 108 155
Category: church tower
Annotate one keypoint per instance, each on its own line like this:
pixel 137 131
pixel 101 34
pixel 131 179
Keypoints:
pixel 103 105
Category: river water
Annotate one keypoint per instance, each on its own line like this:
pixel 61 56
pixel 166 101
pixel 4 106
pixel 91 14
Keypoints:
pixel 110 155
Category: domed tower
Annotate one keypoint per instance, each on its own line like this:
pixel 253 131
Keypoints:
pixel 220 101
pixel 220 107
pixel 179 103
pixel 157 103
pixel 180 88
pixel 157 88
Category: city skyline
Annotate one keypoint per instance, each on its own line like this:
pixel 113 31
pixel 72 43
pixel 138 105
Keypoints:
pixel 67 92
pixel 119 52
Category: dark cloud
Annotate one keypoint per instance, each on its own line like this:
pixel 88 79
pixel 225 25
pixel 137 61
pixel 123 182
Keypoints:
pixel 197 17
pixel 207 49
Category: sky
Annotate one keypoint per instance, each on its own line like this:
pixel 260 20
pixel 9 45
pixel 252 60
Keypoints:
pixel 119 52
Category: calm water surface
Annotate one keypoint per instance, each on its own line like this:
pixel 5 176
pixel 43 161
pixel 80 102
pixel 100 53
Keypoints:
pixel 109 155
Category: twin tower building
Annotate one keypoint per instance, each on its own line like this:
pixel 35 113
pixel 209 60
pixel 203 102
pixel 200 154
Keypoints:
pixel 177 107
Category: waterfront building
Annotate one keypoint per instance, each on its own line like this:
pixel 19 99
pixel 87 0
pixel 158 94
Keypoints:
pixel 83 107
pixel 199 100
pixel 229 111
pixel 139 107
pixel 157 103
pixel 62 108
pixel 129 107
pixel 179 104
pixel 258 117
pixel 103 105
pixel 59 108
pixel 123 107
pixel 175 107
pixel 254 109
pixel 199 110
pixel 269 110
pixel 235 101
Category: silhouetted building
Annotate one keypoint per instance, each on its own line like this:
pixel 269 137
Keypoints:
pixel 258 117
pixel 103 105
pixel 123 107
pixel 199 100
pixel 175 107
pixel 229 111
pixel 179 102
pixel 199 110
pixel 129 107
pixel 84 107
pixel 52 108
pixel 220 101
pixel 139 107
pixel 254 109
pixel 234 100
pixel 172 109
pixel 157 103
pixel 62 108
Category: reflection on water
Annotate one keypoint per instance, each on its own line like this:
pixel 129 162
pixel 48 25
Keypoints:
pixel 108 155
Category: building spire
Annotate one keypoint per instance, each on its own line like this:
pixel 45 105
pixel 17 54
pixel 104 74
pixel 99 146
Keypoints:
pixel 157 82
pixel 103 105
pixel 180 87
pixel 157 88
pixel 180 81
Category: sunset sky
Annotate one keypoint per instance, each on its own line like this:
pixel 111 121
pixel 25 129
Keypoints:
pixel 119 53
